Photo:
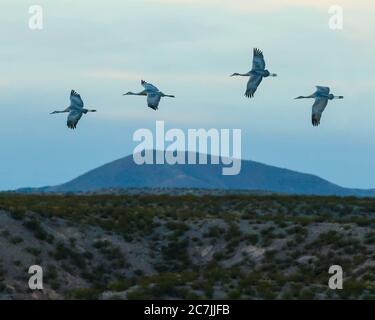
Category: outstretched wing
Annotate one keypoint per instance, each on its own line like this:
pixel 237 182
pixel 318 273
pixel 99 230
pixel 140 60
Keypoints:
pixel 317 110
pixel 258 60
pixel 322 90
pixel 153 100
pixel 73 118
pixel 75 100
pixel 149 86
pixel 252 85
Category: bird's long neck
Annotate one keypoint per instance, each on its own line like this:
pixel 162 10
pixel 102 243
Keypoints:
pixel 306 97
pixel 241 74
pixel 61 111
pixel 142 93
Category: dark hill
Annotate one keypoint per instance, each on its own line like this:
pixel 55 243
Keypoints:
pixel 124 173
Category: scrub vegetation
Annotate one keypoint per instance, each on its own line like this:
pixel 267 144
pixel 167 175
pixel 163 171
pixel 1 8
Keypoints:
pixel 186 246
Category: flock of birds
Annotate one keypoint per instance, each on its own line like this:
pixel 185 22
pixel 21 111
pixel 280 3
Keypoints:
pixel 322 95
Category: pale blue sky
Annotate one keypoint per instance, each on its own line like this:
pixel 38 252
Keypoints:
pixel 187 48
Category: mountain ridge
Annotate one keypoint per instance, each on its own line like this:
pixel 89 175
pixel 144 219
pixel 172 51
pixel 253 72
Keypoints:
pixel 123 173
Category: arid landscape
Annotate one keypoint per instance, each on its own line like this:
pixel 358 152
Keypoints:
pixel 159 246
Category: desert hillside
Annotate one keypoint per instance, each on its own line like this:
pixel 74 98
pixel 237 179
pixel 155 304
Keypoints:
pixel 186 246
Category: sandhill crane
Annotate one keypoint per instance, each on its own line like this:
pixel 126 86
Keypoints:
pixel 153 95
pixel 321 96
pixel 75 110
pixel 256 74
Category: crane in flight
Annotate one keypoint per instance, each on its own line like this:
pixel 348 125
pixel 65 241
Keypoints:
pixel 322 95
pixel 256 74
pixel 153 94
pixel 76 110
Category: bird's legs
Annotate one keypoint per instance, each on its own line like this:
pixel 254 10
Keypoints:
pixel 88 110
pixel 167 95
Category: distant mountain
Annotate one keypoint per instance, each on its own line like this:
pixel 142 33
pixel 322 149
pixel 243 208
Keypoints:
pixel 124 173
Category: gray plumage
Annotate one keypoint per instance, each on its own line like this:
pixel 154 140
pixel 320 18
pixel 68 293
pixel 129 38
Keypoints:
pixel 256 74
pixel 153 94
pixel 322 95
pixel 76 110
